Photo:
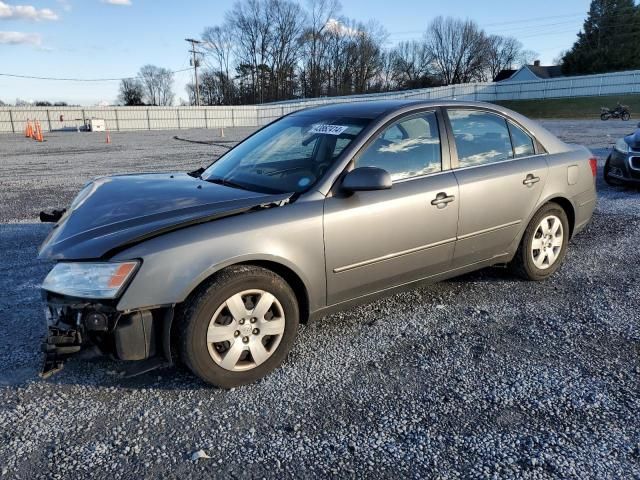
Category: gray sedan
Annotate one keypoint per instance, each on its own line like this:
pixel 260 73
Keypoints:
pixel 320 210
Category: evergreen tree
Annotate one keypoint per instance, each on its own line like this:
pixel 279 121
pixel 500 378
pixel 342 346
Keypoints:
pixel 609 40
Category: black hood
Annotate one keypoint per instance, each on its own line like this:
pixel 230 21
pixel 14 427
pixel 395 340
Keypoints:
pixel 633 140
pixel 112 212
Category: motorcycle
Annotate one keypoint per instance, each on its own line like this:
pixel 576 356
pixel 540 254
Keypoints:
pixel 621 111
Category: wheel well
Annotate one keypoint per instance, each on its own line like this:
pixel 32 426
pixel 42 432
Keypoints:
pixel 568 209
pixel 294 281
pixel 286 273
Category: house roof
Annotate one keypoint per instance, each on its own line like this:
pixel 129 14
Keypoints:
pixel 546 72
pixel 504 74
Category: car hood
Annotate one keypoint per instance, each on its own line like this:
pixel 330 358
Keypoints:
pixel 113 212
pixel 633 140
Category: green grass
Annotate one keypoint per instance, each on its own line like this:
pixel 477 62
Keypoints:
pixel 574 108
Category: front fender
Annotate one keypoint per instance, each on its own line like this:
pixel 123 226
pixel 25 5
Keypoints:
pixel 174 264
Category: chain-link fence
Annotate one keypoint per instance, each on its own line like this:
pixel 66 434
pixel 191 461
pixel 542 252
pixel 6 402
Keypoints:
pixel 14 119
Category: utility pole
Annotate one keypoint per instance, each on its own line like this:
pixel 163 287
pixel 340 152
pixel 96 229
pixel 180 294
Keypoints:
pixel 193 43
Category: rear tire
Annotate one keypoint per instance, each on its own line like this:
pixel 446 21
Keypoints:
pixel 625 116
pixel 543 245
pixel 239 327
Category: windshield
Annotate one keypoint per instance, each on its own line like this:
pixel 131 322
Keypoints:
pixel 290 155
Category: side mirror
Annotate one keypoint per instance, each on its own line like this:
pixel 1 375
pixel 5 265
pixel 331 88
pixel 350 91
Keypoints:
pixel 365 179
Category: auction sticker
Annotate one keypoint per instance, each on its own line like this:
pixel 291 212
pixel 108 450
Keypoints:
pixel 328 129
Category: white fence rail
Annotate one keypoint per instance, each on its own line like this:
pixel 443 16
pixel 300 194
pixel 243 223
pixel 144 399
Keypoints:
pixel 14 119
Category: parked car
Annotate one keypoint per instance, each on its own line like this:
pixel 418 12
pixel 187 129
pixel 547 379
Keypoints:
pixel 622 167
pixel 621 111
pixel 318 211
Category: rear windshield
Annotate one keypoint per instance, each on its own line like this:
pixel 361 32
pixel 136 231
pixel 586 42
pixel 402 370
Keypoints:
pixel 290 155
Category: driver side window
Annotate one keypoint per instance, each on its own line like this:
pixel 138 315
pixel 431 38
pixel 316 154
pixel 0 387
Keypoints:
pixel 408 148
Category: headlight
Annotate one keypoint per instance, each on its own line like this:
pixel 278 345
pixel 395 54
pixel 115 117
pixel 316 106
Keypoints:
pixel 622 146
pixel 89 280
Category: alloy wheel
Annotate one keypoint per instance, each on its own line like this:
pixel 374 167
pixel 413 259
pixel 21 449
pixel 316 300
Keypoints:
pixel 245 330
pixel 547 242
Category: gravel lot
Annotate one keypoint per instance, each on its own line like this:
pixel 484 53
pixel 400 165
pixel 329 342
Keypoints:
pixel 484 376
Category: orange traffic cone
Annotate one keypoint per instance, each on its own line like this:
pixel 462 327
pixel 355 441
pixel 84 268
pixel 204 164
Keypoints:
pixel 27 129
pixel 108 137
pixel 39 136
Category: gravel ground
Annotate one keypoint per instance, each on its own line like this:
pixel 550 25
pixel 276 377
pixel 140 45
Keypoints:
pixel 483 376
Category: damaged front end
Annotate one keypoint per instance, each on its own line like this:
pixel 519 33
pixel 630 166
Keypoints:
pixel 108 216
pixel 76 325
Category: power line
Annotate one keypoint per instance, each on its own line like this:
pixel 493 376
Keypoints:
pixel 59 79
pixel 519 21
pixel 532 20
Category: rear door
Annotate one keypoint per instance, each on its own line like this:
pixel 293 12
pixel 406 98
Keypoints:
pixel 380 239
pixel 500 175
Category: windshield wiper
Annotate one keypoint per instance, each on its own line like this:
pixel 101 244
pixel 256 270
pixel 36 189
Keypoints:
pixel 226 183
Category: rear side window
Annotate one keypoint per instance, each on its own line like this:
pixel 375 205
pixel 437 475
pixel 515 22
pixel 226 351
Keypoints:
pixel 481 137
pixel 522 143
pixel 408 148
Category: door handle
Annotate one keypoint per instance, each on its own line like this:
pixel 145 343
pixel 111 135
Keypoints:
pixel 530 180
pixel 442 199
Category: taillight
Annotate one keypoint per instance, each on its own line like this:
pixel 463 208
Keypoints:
pixel 593 162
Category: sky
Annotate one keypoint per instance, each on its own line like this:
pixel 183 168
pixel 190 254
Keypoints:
pixel 91 39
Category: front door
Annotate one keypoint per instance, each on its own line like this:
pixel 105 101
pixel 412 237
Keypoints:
pixel 501 177
pixel 380 239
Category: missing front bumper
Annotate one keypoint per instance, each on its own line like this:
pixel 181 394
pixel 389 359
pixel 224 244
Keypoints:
pixel 57 347
pixel 142 337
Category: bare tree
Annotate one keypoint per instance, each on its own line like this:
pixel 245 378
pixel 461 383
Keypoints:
pixel 458 49
pixel 250 23
pixel 315 41
pixel 287 26
pixel 334 68
pixel 218 41
pixel 366 54
pixel 158 85
pixel 410 62
pixel 131 92
pixel 527 57
pixel 502 53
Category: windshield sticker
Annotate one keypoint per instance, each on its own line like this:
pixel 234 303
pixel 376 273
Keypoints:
pixel 304 182
pixel 328 129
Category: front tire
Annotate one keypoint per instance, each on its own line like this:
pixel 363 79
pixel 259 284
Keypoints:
pixel 239 327
pixel 544 244
pixel 625 116
pixel 604 117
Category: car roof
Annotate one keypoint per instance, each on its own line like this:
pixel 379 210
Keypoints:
pixel 366 109
pixel 375 108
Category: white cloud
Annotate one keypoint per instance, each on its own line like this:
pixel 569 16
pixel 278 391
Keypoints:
pixel 25 12
pixel 336 26
pixel 126 3
pixel 20 38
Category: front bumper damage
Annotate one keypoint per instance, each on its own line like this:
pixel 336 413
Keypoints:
pixel 75 326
